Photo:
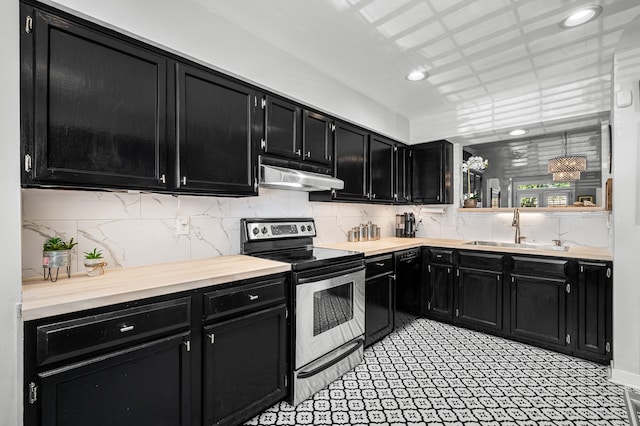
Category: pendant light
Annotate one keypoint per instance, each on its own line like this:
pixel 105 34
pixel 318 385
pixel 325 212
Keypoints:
pixel 566 176
pixel 567 168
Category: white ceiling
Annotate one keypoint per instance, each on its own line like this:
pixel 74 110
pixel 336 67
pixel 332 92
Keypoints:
pixel 507 60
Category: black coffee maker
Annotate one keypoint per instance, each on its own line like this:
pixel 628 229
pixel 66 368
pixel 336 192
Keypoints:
pixel 405 225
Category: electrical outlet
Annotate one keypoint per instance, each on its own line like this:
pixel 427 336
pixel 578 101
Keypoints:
pixel 182 226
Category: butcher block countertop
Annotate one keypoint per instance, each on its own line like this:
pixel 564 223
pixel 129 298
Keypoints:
pixel 43 298
pixel 386 245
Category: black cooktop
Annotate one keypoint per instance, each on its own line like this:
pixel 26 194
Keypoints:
pixel 311 257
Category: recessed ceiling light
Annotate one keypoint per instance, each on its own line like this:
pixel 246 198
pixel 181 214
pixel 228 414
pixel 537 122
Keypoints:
pixel 581 16
pixel 417 75
pixel 518 132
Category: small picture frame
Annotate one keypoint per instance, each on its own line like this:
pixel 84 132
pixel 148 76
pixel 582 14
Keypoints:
pixel 583 198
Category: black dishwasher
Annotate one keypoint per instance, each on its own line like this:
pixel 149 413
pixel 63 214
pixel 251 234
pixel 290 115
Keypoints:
pixel 408 265
pixel 379 298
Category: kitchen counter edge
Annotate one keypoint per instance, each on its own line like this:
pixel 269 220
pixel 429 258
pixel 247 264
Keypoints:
pixel 41 299
pixel 387 245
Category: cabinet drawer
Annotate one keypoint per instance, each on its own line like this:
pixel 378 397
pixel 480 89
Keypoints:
pixel 438 256
pixel 379 265
pixel 243 297
pixel 88 334
pixel 540 267
pixel 482 261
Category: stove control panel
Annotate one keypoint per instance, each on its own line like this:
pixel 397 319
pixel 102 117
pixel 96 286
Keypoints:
pixel 261 230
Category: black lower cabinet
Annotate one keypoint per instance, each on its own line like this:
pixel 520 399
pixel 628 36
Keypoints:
pixel 244 368
pixel 142 385
pixel 480 290
pixel 480 298
pixel 593 310
pixel 379 298
pixel 408 266
pixel 539 289
pixel 440 284
pixel 213 356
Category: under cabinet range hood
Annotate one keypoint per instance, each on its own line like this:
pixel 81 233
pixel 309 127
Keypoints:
pixel 279 177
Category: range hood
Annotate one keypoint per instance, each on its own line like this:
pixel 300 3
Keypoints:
pixel 297 180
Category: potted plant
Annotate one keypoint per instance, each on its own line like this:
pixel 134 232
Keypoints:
pixel 94 262
pixel 473 163
pixel 56 253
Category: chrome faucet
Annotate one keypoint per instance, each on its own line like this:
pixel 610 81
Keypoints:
pixel 516 224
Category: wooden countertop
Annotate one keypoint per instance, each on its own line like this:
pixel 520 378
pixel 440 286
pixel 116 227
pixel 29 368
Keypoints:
pixel 386 245
pixel 43 298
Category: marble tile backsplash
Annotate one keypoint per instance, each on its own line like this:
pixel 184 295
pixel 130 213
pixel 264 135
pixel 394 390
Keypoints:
pixel 135 229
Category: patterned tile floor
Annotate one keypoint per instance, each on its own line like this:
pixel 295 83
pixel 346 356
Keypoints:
pixel 428 373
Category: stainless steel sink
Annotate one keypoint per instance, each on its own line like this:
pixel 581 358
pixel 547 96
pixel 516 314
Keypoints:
pixel 530 246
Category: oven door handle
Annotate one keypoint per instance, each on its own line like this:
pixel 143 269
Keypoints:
pixel 356 345
pixel 330 275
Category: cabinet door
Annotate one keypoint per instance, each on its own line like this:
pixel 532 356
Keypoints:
pixel 379 308
pixel 538 309
pixel 216 118
pixel 282 128
pixel 381 169
pixel 440 301
pixel 480 298
pixel 350 146
pixel 244 366
pixel 402 175
pixel 99 109
pixel 594 309
pixel 141 385
pixel 317 138
pixel 431 173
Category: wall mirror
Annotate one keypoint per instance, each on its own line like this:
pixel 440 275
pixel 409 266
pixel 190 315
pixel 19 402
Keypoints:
pixel 518 175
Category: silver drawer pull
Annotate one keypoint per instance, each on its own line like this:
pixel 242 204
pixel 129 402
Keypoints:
pixel 253 296
pixel 126 328
pixel 379 264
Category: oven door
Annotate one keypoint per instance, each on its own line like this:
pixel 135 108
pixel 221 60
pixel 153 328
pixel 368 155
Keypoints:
pixel 329 310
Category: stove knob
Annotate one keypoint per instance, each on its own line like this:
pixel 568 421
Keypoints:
pixel 264 229
pixel 255 231
pixel 302 228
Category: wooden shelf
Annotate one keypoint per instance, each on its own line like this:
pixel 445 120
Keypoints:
pixel 596 209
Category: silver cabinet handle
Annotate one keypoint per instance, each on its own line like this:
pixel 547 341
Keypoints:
pixel 308 154
pixel 298 153
pixel 184 180
pixel 253 296
pixel 379 264
pixel 126 328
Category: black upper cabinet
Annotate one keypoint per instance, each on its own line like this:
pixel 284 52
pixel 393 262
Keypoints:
pixel 432 180
pixel 94 105
pixel 215 122
pixel 402 179
pixel 317 138
pixel 282 128
pixel 351 161
pixel 381 169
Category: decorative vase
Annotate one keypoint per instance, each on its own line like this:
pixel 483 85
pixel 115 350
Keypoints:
pixel 95 267
pixel 471 202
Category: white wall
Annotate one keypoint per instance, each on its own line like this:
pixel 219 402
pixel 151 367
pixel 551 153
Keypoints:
pixel 626 245
pixel 140 229
pixel 11 347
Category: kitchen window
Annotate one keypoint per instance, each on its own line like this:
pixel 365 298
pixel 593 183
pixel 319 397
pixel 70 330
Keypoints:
pixel 543 192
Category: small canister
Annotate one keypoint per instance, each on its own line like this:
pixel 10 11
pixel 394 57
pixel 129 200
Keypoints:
pixel 370 231
pixel 362 232
pixel 376 232
pixel 354 234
